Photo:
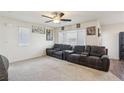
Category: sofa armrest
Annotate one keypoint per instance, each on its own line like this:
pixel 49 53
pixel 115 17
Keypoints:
pixel 104 57
pixel 49 48
pixel 84 54
pixel 68 51
pixel 57 49
pixel 106 62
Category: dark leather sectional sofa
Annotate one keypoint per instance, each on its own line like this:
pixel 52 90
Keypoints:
pixel 4 64
pixel 90 56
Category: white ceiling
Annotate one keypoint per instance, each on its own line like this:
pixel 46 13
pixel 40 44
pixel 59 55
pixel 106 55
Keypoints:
pixel 105 17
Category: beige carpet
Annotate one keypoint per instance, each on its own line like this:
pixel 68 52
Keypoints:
pixel 48 68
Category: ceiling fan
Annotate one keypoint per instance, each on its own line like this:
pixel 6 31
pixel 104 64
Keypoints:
pixel 56 18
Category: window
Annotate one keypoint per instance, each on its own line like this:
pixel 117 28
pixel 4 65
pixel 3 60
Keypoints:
pixel 24 36
pixel 71 37
pixel 74 37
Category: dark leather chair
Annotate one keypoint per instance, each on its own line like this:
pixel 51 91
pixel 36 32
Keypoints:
pixel 75 55
pixel 56 47
pixel 97 58
pixel 4 64
pixel 59 54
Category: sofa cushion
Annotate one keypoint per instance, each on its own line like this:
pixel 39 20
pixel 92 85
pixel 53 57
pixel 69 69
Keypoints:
pixel 50 52
pixel 75 55
pixel 84 53
pixel 83 59
pixel 58 52
pixel 74 58
pixel 97 51
pixel 57 49
pixel 87 49
pixel 66 47
pixel 93 60
pixel 79 49
pixel 57 45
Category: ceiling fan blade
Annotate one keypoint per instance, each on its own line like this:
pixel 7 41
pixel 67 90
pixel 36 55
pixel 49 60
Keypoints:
pixel 47 16
pixel 48 21
pixel 61 14
pixel 66 20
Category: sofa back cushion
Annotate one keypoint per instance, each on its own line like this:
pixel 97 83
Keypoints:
pixel 97 51
pixel 66 47
pixel 57 45
pixel 87 50
pixel 79 49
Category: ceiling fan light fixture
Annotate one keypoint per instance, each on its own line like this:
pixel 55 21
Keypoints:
pixel 56 21
pixel 57 18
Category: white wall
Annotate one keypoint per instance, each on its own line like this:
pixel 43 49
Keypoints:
pixel 91 39
pixel 9 45
pixel 110 39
